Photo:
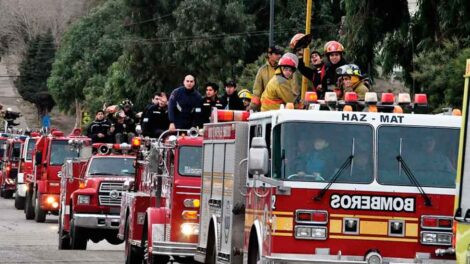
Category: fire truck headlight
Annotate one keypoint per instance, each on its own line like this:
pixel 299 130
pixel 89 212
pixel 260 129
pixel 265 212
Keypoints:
pixel 310 232
pixel 50 200
pixel 436 238
pixel 190 229
pixel 83 199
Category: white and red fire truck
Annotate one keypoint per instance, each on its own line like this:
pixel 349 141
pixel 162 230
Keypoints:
pixel 307 186
pixel 25 170
pixel 90 194
pixel 159 216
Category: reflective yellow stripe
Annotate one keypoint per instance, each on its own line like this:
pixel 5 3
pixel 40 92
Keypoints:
pixel 336 226
pixel 373 228
pixel 411 240
pixel 281 234
pixel 282 223
pixel 411 230
pixel 375 217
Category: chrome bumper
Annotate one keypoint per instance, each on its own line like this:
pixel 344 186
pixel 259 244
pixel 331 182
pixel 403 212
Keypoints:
pixel 174 248
pixel 97 221
pixel 21 189
pixel 342 259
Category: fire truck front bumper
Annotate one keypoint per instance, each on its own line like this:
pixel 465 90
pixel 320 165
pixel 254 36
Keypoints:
pixel 343 259
pixel 97 221
pixel 174 248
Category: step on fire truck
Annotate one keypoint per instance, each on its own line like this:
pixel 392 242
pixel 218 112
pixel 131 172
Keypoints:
pixel 159 216
pixel 25 170
pixel 90 194
pixel 11 159
pixel 43 192
pixel 309 186
pixel 462 200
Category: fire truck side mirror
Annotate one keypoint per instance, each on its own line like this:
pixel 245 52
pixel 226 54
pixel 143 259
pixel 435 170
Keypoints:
pixel 129 185
pixel 259 157
pixel 38 158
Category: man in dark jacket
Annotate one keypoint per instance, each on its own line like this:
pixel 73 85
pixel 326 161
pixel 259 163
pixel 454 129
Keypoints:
pixel 211 100
pixel 155 116
pixel 184 107
pixel 334 53
pixel 230 100
pixel 316 74
pixel 99 129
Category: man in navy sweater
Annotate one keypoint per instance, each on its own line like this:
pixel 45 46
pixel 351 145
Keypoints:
pixel 185 105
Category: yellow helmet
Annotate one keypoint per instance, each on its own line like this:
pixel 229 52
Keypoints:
pixel 245 94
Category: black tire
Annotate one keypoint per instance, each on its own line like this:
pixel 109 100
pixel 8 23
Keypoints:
pixel 210 248
pixel 2 192
pixel 39 214
pixel 19 201
pixel 28 207
pixel 132 254
pixel 113 239
pixel 151 258
pixel 253 252
pixel 64 238
pixel 8 194
pixel 78 237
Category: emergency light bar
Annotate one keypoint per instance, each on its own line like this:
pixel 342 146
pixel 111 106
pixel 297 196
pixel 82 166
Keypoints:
pixel 370 98
pixel 311 97
pixel 421 99
pixel 350 97
pixel 331 98
pixel 232 115
pixel 387 98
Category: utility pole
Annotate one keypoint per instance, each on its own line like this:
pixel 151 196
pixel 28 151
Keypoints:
pixel 271 23
pixel 308 20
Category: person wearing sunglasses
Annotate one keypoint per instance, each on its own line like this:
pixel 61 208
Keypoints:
pixel 280 89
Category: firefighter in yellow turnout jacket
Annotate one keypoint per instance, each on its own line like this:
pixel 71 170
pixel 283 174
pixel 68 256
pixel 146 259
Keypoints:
pixel 280 89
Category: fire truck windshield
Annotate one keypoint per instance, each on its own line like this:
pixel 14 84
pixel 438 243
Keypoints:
pixel 29 151
pixel 61 150
pixel 316 152
pixel 114 166
pixel 15 155
pixel 189 163
pixel 430 154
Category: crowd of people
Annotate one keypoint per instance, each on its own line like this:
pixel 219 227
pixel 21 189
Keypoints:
pixel 276 83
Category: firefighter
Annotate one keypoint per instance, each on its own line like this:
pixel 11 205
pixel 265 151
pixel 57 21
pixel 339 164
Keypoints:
pixel 155 116
pixel 334 52
pixel 99 129
pixel 264 75
pixel 352 80
pixel 316 74
pixel 211 100
pixel 246 97
pixel 130 119
pixel 185 105
pixel 230 100
pixel 280 90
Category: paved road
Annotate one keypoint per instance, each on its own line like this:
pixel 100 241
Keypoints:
pixel 25 241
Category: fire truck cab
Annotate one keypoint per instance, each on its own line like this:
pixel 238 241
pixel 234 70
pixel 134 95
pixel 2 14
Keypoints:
pixel 90 195
pixel 11 159
pixel 25 171
pixel 159 219
pixel 302 186
pixel 49 154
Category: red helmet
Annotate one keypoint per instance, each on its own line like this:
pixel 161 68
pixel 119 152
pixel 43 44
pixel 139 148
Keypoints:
pixel 333 46
pixel 288 60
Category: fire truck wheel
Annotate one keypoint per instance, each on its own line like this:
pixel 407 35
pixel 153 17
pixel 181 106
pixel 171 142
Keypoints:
pixel 77 236
pixel 113 239
pixel 64 238
pixel 28 208
pixel 133 253
pixel 253 252
pixel 8 194
pixel 2 192
pixel 19 201
pixel 210 253
pixel 39 214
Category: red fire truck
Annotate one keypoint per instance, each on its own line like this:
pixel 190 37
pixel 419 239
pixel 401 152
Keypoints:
pixel 43 192
pixel 308 186
pixel 91 196
pixel 160 214
pixel 25 171
pixel 10 166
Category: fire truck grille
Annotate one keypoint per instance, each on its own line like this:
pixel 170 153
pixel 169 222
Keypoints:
pixel 110 193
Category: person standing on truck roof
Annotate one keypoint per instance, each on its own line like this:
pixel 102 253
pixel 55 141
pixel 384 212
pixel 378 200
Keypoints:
pixel 316 74
pixel 230 100
pixel 265 73
pixel 211 100
pixel 185 105
pixel 155 116
pixel 99 129
pixel 352 80
pixel 334 52
pixel 280 90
